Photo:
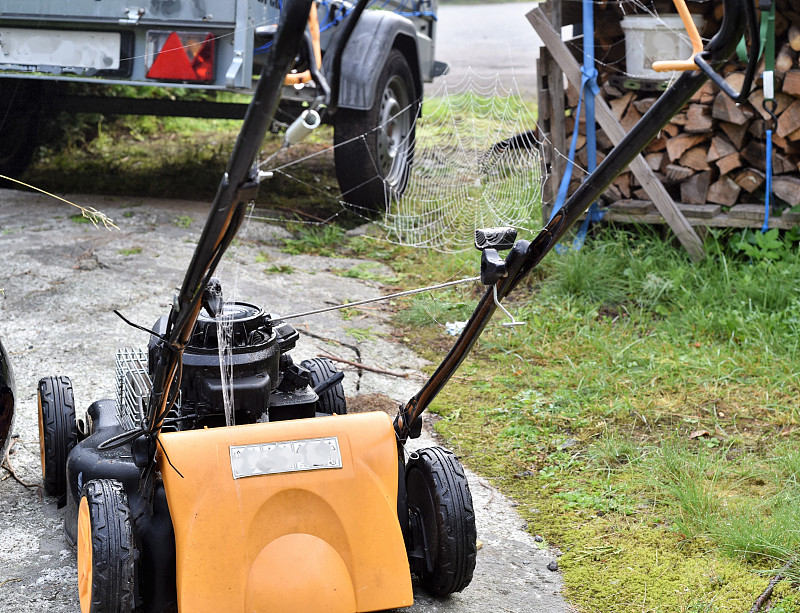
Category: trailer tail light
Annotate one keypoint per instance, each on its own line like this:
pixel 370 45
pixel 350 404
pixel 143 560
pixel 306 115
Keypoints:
pixel 180 56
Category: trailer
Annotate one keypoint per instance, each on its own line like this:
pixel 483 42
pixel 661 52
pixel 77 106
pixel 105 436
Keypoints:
pixel 219 45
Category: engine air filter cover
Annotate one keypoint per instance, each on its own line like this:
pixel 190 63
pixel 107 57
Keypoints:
pixel 250 327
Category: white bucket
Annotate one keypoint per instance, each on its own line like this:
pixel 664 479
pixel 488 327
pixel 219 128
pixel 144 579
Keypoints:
pixel 650 39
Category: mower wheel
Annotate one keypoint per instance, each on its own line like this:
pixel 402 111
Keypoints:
pixel 58 431
pixel 105 548
pixel 331 398
pixel 438 493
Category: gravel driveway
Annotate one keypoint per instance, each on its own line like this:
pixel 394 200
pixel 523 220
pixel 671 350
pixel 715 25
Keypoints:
pixel 61 281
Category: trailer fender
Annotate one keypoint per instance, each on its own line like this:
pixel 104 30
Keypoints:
pixel 375 35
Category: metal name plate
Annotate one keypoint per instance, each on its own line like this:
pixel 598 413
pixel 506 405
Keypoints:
pixel 285 457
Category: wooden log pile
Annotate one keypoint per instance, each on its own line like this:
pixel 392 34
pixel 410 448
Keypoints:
pixel 714 151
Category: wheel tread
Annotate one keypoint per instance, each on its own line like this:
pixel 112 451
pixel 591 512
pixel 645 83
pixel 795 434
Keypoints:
pixel 333 399
pixel 60 430
pixel 112 547
pixel 455 550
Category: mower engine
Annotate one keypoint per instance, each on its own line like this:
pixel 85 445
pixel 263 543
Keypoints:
pixel 265 383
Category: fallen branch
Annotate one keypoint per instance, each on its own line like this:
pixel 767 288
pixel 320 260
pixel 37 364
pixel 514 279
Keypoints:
pixel 765 595
pixel 380 371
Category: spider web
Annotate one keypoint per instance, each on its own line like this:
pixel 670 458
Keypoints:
pixel 477 164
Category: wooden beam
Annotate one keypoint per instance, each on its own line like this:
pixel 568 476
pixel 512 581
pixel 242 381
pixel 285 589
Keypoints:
pixel 558 134
pixel 654 188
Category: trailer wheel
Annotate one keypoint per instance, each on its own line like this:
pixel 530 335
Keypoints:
pixel 58 431
pixel 19 124
pixel 332 399
pixel 374 149
pixel 439 495
pixel 105 549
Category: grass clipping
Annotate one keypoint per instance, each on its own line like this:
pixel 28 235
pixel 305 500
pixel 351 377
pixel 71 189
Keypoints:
pixel 97 218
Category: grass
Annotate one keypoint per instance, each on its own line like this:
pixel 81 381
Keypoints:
pixel 644 419
pixel 173 157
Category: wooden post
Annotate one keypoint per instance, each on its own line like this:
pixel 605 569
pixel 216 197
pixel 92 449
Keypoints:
pixel 647 178
pixel 551 108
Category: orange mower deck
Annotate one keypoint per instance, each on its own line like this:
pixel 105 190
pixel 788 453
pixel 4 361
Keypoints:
pixel 311 539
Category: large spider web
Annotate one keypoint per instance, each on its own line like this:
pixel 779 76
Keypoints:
pixel 477 164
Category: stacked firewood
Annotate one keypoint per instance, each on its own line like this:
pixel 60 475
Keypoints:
pixel 714 151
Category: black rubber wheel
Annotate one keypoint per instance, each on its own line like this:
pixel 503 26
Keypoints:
pixel 332 400
pixel 7 392
pixel 58 431
pixel 19 124
pixel 105 548
pixel 374 149
pixel 438 492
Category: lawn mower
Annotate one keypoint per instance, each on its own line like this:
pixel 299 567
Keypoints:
pixel 299 506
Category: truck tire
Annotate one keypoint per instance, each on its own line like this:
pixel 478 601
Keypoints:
pixel 374 149
pixel 438 492
pixel 105 548
pixel 19 125
pixel 332 400
pixel 58 431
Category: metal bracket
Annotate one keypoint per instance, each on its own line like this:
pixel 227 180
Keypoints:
pixel 507 324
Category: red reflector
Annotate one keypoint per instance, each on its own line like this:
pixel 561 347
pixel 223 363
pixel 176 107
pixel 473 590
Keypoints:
pixel 184 62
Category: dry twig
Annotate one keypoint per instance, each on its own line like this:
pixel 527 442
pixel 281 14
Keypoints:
pixel 6 464
pixel 380 371
pixel 767 593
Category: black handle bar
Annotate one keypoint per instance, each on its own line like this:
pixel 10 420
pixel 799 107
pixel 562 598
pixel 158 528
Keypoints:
pixel 237 187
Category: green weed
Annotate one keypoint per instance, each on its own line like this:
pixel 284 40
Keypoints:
pixel 317 240
pixel 130 251
pixel 183 221
pixel 281 269
pixel 362 334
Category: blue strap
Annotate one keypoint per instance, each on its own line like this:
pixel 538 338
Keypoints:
pixel 768 188
pixel 590 87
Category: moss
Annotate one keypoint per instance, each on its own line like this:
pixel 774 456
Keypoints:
pixel 594 500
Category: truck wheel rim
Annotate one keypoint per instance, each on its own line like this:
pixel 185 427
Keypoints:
pixel 395 127
pixel 84 556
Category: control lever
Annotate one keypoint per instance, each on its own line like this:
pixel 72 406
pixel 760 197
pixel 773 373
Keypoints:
pixel 493 266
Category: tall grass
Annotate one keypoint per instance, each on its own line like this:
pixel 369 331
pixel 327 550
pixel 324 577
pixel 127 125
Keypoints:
pixel 728 297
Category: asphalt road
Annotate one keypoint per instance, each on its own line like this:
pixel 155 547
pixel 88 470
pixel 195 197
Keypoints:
pixel 61 281
pixel 488 44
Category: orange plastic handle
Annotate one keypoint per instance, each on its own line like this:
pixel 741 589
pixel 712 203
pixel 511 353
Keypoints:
pixel 694 36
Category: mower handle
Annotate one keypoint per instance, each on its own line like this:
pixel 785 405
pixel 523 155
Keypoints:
pixel 525 256
pixel 238 186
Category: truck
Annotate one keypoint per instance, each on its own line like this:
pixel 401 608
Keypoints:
pixel 363 72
